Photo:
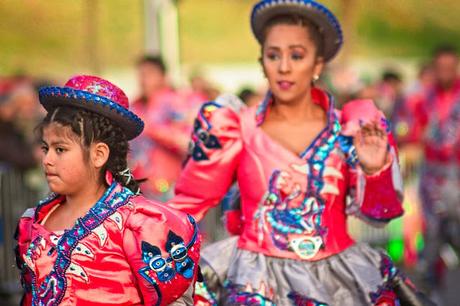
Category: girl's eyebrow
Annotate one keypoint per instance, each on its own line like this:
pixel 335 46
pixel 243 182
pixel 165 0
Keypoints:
pixel 58 143
pixel 54 143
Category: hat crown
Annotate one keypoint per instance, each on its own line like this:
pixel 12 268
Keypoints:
pixel 314 11
pixel 100 87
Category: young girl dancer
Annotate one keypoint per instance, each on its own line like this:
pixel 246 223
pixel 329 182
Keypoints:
pixel 95 240
pixel 296 160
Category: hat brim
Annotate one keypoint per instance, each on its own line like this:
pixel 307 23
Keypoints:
pixel 52 97
pixel 318 14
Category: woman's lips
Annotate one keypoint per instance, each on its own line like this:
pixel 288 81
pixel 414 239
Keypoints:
pixel 285 85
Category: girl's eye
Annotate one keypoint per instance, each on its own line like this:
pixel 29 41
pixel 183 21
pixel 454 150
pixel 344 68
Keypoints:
pixel 44 149
pixel 60 150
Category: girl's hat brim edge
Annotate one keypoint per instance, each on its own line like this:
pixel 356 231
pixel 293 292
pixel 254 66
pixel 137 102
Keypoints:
pixel 52 97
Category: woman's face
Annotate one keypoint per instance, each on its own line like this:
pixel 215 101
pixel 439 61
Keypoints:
pixel 289 61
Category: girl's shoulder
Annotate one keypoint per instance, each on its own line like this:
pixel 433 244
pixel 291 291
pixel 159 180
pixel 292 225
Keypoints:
pixel 25 230
pixel 144 213
pixel 27 218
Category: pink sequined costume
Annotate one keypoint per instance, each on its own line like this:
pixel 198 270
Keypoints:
pixel 293 208
pixel 122 252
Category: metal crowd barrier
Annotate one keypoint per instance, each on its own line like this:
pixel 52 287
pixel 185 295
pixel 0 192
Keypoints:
pixel 15 198
pixel 364 232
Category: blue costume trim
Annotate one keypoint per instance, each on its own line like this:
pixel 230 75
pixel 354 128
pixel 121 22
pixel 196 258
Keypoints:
pixel 164 269
pixel 87 97
pixel 201 137
pixel 388 271
pixel 53 288
pixel 305 219
pixel 238 295
pixel 298 299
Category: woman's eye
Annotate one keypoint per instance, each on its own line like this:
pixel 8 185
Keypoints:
pixel 272 56
pixel 297 57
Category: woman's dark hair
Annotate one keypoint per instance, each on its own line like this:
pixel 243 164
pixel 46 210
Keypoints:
pixel 293 19
pixel 91 127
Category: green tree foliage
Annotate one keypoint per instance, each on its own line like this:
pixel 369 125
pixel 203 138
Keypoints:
pixel 53 37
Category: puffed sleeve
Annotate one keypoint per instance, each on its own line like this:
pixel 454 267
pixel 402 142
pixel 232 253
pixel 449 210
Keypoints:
pixel 214 156
pixel 24 239
pixel 162 247
pixel 374 198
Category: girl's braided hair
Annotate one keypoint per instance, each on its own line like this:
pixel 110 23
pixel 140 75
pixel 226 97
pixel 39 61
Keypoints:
pixel 92 127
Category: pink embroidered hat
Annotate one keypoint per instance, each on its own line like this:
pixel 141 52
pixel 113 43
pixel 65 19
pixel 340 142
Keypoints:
pixel 94 94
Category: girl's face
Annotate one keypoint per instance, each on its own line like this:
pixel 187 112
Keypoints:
pixel 290 62
pixel 66 168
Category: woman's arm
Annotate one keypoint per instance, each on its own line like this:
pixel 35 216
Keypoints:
pixel 213 158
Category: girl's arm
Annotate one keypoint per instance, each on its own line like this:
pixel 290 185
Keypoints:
pixel 162 248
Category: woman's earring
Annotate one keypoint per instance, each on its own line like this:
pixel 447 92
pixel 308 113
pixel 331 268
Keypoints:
pixel 315 78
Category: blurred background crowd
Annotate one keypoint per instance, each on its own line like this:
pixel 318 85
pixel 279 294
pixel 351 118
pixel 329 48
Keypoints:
pixel 172 55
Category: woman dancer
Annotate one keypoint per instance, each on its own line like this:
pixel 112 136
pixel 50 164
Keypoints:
pixel 302 167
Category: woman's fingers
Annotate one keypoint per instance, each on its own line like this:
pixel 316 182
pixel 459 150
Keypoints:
pixel 373 129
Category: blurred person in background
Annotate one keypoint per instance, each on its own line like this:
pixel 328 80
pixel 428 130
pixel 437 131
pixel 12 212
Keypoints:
pixel 386 92
pixel 249 96
pixel 390 92
pixel 432 134
pixel 425 79
pixel 20 180
pixel 17 117
pixel 402 117
pixel 344 82
pixel 202 88
pixel 158 153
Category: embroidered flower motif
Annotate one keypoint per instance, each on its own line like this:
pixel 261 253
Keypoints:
pixel 178 251
pixel 201 138
pixel 300 300
pixel 248 295
pixel 295 214
pixel 160 269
